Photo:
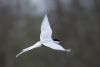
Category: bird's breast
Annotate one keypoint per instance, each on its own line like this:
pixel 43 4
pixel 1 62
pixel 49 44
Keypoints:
pixel 45 41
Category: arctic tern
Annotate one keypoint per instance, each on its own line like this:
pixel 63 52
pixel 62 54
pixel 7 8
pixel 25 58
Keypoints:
pixel 46 39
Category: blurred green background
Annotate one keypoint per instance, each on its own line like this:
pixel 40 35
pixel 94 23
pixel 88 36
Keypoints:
pixel 75 22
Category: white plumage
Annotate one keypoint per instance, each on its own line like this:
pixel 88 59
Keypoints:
pixel 45 39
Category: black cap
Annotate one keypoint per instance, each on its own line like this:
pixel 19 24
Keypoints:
pixel 56 40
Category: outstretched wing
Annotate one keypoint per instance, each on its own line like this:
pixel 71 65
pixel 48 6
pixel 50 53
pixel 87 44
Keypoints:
pixel 54 46
pixel 38 44
pixel 46 32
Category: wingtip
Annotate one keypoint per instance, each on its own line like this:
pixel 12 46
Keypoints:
pixel 19 54
pixel 45 16
pixel 45 20
pixel 68 50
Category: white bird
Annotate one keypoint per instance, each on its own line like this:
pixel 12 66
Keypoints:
pixel 45 39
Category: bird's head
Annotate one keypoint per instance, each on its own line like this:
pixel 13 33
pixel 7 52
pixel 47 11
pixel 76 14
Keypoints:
pixel 57 41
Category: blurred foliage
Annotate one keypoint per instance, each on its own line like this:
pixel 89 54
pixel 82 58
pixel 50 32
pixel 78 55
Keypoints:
pixel 75 22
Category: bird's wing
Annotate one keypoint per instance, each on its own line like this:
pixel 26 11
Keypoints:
pixel 46 32
pixel 36 45
pixel 54 46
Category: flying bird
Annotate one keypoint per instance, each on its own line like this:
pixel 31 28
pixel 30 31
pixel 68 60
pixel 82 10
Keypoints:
pixel 46 39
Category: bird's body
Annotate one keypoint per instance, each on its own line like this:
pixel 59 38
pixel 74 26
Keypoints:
pixel 45 38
